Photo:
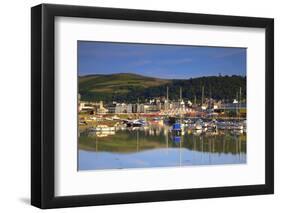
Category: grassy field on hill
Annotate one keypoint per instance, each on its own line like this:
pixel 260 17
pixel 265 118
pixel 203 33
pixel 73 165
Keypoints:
pixel 128 87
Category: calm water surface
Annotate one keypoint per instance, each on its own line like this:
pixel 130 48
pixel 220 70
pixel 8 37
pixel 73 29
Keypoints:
pixel 157 146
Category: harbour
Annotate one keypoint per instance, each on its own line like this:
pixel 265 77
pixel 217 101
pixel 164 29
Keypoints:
pixel 154 142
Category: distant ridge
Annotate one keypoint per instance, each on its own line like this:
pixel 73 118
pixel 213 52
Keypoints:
pixel 130 87
pixel 123 74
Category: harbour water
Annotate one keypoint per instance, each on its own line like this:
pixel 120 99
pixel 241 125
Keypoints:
pixel 157 146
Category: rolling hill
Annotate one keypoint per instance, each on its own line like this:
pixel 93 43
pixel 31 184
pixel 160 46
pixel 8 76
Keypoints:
pixel 127 87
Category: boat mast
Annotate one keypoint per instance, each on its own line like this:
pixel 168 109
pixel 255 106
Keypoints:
pixel 202 97
pixel 167 99
pixel 239 106
pixel 180 94
pixel 167 94
pixel 180 105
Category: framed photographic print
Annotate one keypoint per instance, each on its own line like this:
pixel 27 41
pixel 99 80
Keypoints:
pixel 140 106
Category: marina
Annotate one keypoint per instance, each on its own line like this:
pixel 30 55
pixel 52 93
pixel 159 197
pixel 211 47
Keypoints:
pixel 153 142
pixel 174 133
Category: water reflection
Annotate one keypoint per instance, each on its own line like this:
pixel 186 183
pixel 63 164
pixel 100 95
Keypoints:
pixel 157 146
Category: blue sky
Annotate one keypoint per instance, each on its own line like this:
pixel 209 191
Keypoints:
pixel 161 61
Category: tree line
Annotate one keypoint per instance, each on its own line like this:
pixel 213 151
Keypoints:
pixel 216 87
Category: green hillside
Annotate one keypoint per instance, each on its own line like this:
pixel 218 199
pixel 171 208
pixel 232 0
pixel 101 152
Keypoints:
pixel 128 87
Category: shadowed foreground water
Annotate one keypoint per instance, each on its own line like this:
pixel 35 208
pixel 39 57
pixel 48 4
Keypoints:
pixel 158 147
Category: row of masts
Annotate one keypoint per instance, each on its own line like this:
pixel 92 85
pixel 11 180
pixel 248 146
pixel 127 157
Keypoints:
pixel 238 97
pixel 167 94
pixel 202 97
pixel 181 108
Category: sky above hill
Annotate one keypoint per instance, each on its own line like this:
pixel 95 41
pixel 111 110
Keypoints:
pixel 160 61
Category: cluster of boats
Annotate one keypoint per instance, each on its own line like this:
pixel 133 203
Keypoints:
pixel 135 123
pixel 178 126
pixel 123 124
pixel 209 125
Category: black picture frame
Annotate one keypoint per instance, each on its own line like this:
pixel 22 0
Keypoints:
pixel 43 111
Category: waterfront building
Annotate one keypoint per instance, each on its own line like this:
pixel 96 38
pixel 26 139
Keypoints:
pixel 111 108
pixel 85 106
pixel 121 108
pixel 92 107
pixel 166 105
pixel 101 109
pixel 134 108
pixel 129 108
pixel 152 107
pixel 140 108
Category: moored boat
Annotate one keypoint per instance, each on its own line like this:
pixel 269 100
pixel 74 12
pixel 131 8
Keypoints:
pixel 176 127
pixel 105 128
pixel 198 125
pixel 136 123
